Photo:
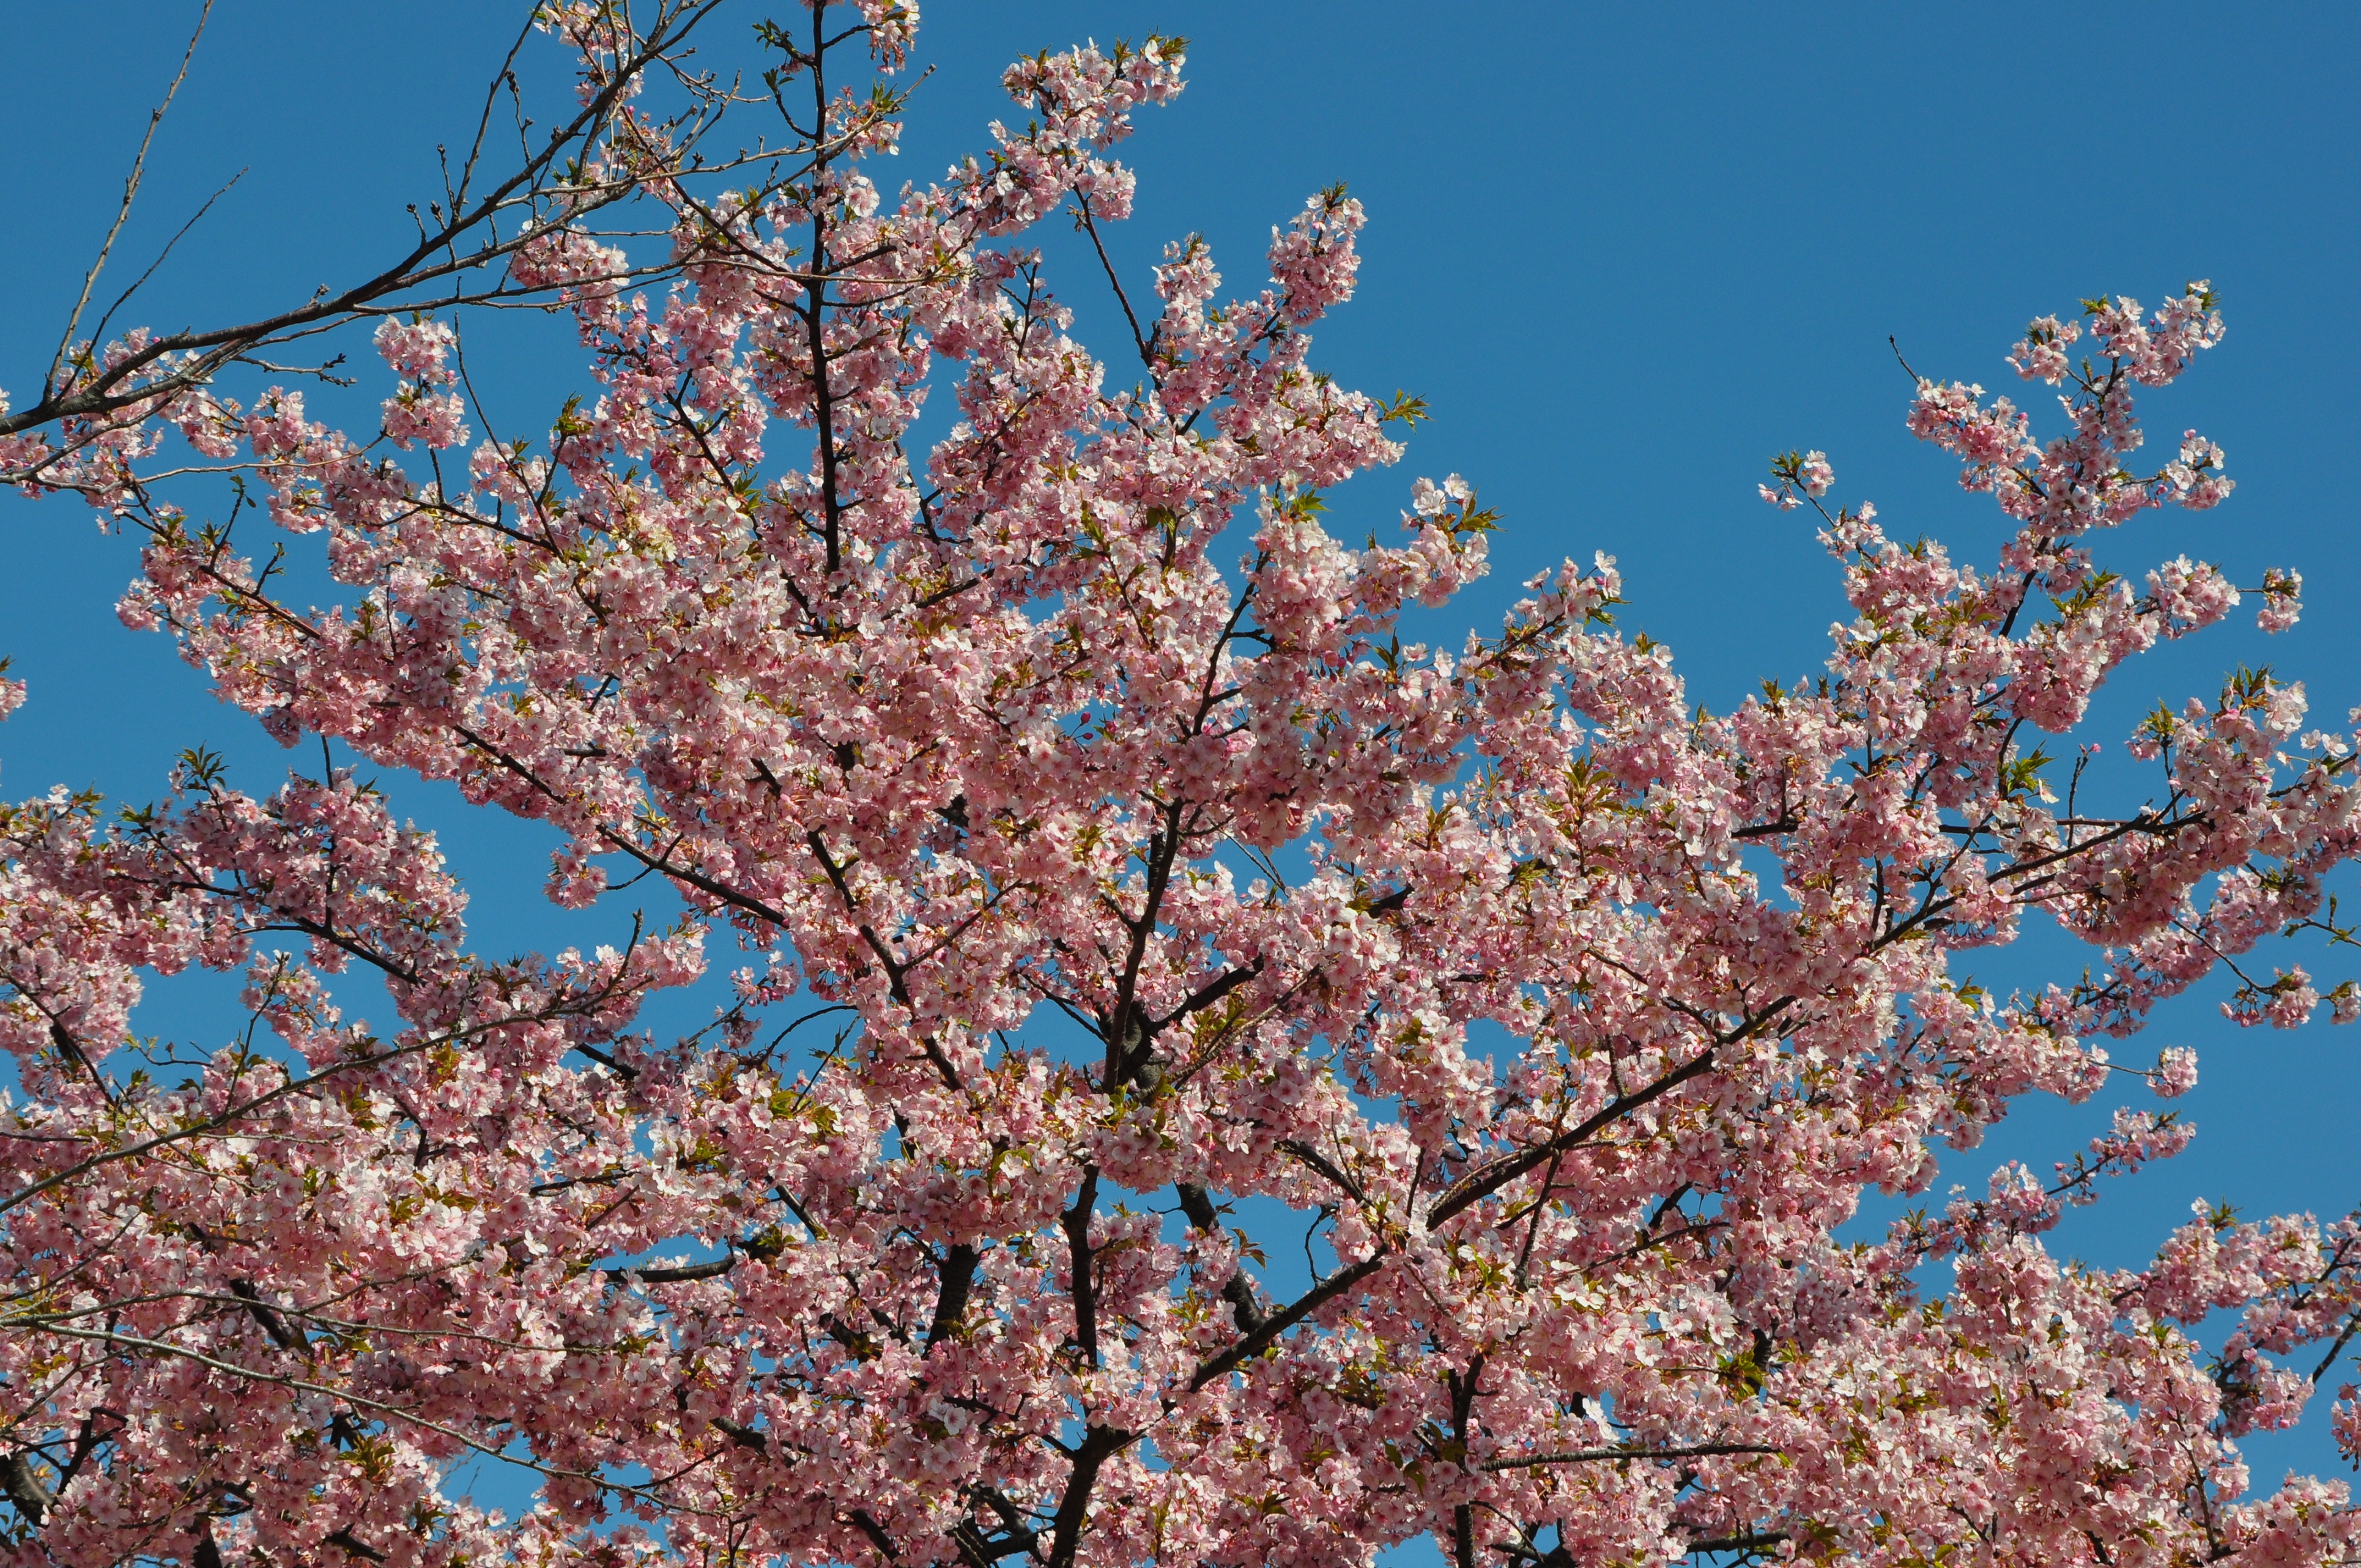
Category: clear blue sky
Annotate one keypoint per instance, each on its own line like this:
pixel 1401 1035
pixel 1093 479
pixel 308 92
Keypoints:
pixel 1626 254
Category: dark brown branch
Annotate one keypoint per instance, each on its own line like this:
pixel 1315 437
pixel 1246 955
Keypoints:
pixel 344 1536
pixel 2352 1324
pixel 1204 996
pixel 1082 220
pixel 1464 1386
pixel 1490 1177
pixel 620 1070
pixel 285 1089
pixel 745 1437
pixel 958 1272
pixel 272 1323
pixel 673 1274
pixel 1099 1446
pixel 1767 830
pixel 1279 1322
pixel 24 1486
pixel 1126 1026
pixel 1595 1455
pixel 1016 1532
pixel 868 1526
pixel 1077 1226
pixel 64 1039
pixel 1303 1154
pixel 1237 1289
pixel 1758 1542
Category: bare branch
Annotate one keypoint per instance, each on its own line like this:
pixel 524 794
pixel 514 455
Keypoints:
pixel 123 214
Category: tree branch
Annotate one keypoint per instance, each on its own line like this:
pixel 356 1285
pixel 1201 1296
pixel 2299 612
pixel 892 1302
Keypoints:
pixel 1279 1322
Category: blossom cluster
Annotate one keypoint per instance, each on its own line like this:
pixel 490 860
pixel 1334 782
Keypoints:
pixel 979 749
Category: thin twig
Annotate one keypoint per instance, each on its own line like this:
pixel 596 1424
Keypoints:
pixel 123 214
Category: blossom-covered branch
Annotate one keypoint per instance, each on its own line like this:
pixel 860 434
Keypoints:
pixel 1147 897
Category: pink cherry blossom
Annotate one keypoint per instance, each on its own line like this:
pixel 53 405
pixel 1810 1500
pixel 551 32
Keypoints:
pixel 1562 1025
pixel 2176 1072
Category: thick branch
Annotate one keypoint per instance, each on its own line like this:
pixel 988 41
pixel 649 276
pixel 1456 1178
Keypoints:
pixel 1279 1322
pixel 1237 1289
pixel 24 1486
pixel 272 1323
pixel 1099 1446
pixel 1490 1177
pixel 1636 1450
pixel 712 1269
pixel 958 1271
pixel 1077 1226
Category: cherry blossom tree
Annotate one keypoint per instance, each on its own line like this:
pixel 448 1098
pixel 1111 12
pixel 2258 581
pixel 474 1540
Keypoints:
pixel 1080 725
